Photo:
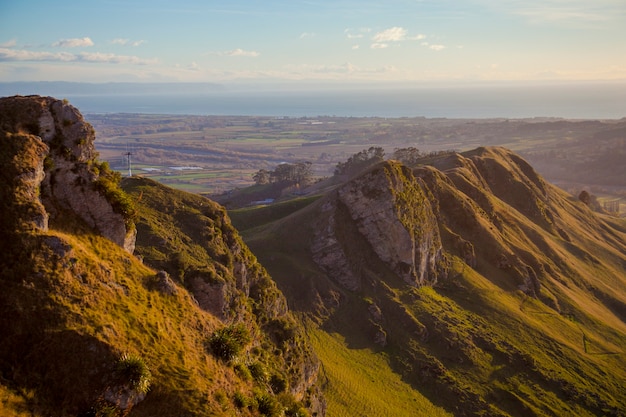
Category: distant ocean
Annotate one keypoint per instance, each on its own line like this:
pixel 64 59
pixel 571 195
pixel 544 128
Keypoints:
pixel 586 101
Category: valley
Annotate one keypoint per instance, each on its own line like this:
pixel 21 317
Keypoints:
pixel 215 154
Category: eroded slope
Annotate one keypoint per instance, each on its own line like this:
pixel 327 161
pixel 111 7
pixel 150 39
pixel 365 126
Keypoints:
pixel 88 329
pixel 522 309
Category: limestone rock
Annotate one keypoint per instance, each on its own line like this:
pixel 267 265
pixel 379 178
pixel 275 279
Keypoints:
pixel 390 212
pixel 164 284
pixel 123 397
pixel 59 174
pixel 214 297
pixel 329 255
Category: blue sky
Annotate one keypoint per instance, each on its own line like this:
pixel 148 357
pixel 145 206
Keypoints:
pixel 307 40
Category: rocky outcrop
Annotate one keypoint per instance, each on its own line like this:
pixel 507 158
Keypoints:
pixel 391 212
pixel 59 174
pixel 22 158
pixel 522 256
pixel 201 251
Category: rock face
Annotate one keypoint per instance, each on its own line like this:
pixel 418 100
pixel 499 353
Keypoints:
pixel 59 172
pixel 519 255
pixel 392 214
pixel 202 252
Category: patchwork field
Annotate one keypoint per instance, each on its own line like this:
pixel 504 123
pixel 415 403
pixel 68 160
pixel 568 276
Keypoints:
pixel 216 154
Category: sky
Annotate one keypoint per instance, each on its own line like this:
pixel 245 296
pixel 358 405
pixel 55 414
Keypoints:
pixel 343 41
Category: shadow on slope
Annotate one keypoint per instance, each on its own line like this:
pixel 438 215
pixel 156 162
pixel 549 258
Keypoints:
pixel 526 321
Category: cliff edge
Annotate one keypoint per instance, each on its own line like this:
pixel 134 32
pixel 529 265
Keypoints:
pixel 51 168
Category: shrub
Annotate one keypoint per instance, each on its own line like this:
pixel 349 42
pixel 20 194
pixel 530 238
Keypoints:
pixel 48 163
pixel 132 370
pixel 227 342
pixel 278 384
pixel 268 405
pixel 258 371
pixel 221 399
pixel 242 371
pixel 108 185
pixel 240 400
pixel 107 411
pixel 281 331
pixel 292 407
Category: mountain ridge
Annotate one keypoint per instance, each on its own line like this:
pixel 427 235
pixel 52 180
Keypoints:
pixel 471 285
pixel 516 247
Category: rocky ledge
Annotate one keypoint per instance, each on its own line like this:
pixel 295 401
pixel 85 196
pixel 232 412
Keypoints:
pixel 50 156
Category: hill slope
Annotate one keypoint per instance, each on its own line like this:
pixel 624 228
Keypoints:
pixel 487 289
pixel 88 329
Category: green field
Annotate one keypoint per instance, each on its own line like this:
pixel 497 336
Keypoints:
pixel 229 150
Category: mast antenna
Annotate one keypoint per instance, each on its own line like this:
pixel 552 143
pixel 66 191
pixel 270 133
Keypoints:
pixel 128 155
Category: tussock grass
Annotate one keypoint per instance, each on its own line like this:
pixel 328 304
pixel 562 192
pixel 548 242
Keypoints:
pixel 475 342
pixel 246 218
pixel 362 382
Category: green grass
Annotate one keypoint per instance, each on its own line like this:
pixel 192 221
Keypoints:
pixel 474 341
pixel 78 303
pixel 361 382
pixel 247 218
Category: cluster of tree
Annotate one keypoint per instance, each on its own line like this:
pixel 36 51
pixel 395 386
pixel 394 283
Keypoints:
pixel 408 156
pixel 360 160
pixel 298 173
pixel 413 156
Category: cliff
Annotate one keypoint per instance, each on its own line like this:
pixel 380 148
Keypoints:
pixel 489 290
pixel 51 160
pixel 90 329
pixel 387 208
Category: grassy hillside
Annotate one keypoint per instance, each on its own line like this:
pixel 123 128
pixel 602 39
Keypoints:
pixel 80 305
pixel 192 239
pixel 529 322
pixel 89 329
pixel 360 382
pixel 74 305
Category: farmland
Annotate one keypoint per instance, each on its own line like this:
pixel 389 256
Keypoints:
pixel 215 154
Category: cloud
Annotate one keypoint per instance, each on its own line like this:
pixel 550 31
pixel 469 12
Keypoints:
pixel 356 33
pixel 240 52
pixel 8 44
pixel 434 47
pixel 95 57
pixel 100 57
pixel 394 34
pixel 335 72
pixel 306 35
pixel 73 43
pixel 127 42
pixel 23 55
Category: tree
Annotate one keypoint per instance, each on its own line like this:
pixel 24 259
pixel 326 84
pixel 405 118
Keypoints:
pixel 261 177
pixel 304 173
pixel 585 197
pixel 298 173
pixel 360 160
pixel 408 156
